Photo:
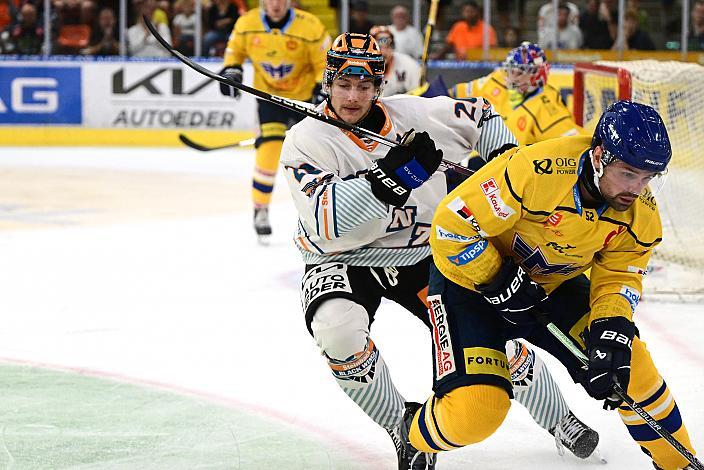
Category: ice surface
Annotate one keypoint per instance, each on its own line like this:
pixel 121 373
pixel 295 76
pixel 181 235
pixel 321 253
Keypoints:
pixel 135 275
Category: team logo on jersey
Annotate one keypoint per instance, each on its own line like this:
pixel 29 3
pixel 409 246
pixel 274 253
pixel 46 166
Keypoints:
pixel 442 342
pixel 277 71
pixel 493 195
pixel 468 254
pixel 291 45
pixel 402 217
pixel 534 261
pixel 401 75
pixel 632 295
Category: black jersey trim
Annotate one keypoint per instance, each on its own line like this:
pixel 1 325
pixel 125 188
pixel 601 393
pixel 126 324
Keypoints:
pixel 630 232
pixel 530 211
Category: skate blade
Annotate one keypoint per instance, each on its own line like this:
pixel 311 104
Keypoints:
pixel 264 240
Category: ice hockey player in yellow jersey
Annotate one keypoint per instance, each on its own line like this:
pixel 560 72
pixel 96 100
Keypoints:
pixel 287 48
pixel 513 240
pixel 519 92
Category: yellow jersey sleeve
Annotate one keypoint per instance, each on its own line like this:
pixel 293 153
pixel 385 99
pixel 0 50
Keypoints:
pixel 618 269
pixel 484 206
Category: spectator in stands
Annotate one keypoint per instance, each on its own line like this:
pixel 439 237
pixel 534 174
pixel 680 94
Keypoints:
pixel 185 26
pixel 546 17
pixel 359 17
pixel 569 36
pixel 504 7
pixel 596 25
pixel 407 39
pixel 104 35
pixel 222 16
pixel 8 13
pixel 467 33
pixel 140 42
pixel 511 37
pixel 27 36
pixel 635 38
pixel 696 34
pixel 401 72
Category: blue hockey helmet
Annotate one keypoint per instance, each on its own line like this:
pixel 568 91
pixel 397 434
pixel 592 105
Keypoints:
pixel 530 59
pixel 635 134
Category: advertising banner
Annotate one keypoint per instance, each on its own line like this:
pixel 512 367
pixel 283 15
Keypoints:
pixel 120 94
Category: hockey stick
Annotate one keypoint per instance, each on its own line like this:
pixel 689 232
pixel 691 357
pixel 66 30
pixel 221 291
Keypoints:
pixel 283 102
pixel 649 420
pixel 203 148
pixel 432 16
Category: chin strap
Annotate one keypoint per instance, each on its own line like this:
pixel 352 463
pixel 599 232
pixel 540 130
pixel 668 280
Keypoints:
pixel 590 179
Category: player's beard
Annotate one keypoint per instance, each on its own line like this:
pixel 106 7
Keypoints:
pixel 621 201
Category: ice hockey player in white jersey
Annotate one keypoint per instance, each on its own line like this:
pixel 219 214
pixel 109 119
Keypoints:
pixel 402 72
pixel 364 217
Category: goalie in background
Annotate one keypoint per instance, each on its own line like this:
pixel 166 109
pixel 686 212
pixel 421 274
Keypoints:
pixel 287 48
pixel 519 92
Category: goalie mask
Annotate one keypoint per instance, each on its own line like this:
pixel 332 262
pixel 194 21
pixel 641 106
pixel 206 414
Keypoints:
pixel 526 68
pixel 356 55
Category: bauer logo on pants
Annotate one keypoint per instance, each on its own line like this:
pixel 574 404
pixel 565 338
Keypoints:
pixel 324 279
pixel 442 343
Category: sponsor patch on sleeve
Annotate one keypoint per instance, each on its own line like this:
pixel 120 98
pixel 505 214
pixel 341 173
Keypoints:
pixel 443 234
pixel 442 342
pixel 632 295
pixel 458 206
pixel 469 253
pixel 493 196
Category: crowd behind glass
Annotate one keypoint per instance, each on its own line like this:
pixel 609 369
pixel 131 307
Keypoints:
pixel 90 27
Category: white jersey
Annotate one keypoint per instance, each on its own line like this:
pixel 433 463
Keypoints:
pixel 339 217
pixel 402 75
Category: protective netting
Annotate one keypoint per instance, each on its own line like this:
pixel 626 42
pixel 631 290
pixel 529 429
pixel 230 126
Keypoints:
pixel 676 91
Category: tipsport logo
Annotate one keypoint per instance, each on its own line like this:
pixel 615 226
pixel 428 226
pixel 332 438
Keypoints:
pixel 40 95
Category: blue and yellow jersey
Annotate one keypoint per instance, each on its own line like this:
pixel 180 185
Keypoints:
pixel 526 204
pixel 537 117
pixel 287 61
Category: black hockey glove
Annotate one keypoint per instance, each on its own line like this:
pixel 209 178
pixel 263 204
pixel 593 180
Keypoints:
pixel 609 342
pixel 235 73
pixel 404 168
pixel 514 294
pixel 318 94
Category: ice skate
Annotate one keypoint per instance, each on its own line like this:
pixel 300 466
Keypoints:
pixel 262 226
pixel 409 458
pixel 576 436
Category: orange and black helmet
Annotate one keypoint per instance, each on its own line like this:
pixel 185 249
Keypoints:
pixel 354 54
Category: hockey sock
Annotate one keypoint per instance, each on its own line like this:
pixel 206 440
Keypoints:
pixel 365 378
pixel 647 387
pixel 534 387
pixel 465 415
pixel 267 162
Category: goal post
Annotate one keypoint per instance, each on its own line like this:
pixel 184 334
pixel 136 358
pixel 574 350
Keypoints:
pixel 676 91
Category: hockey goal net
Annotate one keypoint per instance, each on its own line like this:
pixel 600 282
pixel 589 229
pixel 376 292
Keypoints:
pixel 676 91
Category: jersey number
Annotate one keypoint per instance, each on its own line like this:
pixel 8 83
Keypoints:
pixel 461 108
